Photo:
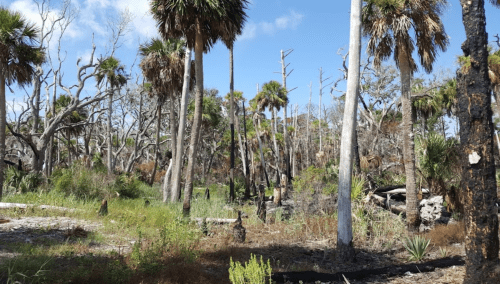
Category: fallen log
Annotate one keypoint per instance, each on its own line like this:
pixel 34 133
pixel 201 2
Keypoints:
pixel 383 203
pixel 389 187
pixel 399 191
pixel 388 271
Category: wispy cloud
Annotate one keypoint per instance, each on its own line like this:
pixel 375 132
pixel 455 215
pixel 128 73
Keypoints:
pixel 289 21
pixel 31 11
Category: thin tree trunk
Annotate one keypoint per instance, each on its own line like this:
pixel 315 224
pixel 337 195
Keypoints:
pixel 357 161
pixel 157 146
pixel 110 137
pixel 344 230
pixel 231 113
pixel 177 167
pixel 247 175
pixel 285 122
pixel 257 132
pixel 276 150
pixel 320 95
pixel 196 128
pixel 478 184
pixel 2 131
pixel 308 145
pixel 166 182
pixel 412 212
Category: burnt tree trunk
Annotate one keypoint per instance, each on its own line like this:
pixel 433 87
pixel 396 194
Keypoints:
pixel 478 185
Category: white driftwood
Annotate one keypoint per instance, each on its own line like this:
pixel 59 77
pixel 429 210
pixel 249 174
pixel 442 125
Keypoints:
pixel 4 205
pixel 214 220
pixel 402 191
pixel 382 202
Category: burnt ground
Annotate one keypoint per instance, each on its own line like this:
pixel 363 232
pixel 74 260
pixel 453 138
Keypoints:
pixel 306 255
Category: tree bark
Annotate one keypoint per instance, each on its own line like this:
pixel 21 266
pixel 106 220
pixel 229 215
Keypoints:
pixel 157 146
pixel 308 145
pixel 478 185
pixel 2 131
pixel 231 114
pixel 196 128
pixel 110 136
pixel 247 175
pixel 177 167
pixel 344 231
pixel 412 212
pixel 285 122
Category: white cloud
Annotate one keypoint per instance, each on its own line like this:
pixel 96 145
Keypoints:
pixel 142 24
pixel 249 31
pixel 290 21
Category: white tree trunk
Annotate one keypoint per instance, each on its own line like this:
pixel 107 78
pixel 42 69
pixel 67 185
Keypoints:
pixel 177 166
pixel 344 234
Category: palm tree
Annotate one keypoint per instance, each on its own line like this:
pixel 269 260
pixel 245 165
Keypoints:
pixel 18 56
pixel 71 121
pixel 163 65
pixel 478 184
pixel 273 96
pixel 344 235
pixel 388 24
pixel 111 69
pixel 202 23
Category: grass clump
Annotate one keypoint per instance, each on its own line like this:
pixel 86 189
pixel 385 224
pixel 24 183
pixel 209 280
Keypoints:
pixel 253 272
pixel 416 247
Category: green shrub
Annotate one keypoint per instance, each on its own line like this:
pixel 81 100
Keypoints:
pixel 21 182
pixel 253 272
pixel 128 186
pixel 80 182
pixel 313 179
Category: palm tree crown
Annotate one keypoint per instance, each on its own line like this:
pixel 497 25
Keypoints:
pixel 18 53
pixel 111 69
pixel 273 95
pixel 163 65
pixel 388 24
pixel 217 19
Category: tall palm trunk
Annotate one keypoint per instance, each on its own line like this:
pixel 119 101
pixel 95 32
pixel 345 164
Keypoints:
pixel 231 114
pixel 196 128
pixel 177 166
pixel 173 145
pixel 237 126
pixel 247 175
pixel 478 184
pixel 412 213
pixel 157 146
pixel 110 138
pixel 344 230
pixel 276 150
pixel 2 131
pixel 263 162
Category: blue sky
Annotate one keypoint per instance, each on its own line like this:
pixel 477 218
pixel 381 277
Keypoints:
pixel 314 29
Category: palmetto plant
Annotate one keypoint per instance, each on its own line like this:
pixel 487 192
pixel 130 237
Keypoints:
pixel 437 158
pixel 18 57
